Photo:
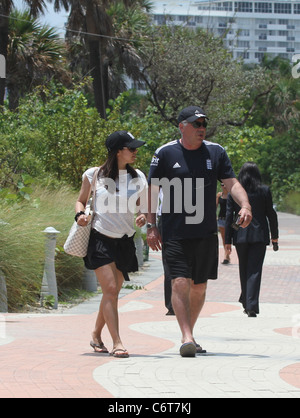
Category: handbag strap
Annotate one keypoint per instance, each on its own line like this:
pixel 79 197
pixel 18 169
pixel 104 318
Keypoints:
pixel 93 189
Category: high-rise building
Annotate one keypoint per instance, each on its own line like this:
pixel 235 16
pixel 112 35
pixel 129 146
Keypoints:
pixel 250 29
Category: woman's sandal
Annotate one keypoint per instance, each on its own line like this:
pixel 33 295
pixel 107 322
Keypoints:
pixel 99 347
pixel 119 353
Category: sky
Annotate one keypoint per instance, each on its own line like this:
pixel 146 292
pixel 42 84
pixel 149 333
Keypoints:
pixel 50 18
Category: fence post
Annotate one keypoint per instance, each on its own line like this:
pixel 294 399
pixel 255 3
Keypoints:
pixel 89 283
pixel 49 285
pixel 3 294
pixel 2 66
pixel 138 240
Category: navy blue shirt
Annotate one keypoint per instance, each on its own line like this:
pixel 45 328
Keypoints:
pixel 189 184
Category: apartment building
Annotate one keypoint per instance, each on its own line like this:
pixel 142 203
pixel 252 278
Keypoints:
pixel 250 29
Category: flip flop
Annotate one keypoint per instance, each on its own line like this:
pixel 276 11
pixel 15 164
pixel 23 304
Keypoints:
pixel 199 349
pixel 119 353
pixel 188 350
pixel 99 347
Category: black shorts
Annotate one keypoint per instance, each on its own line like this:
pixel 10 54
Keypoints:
pixel 104 250
pixel 195 258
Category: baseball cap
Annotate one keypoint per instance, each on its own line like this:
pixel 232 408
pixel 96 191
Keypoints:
pixel 120 139
pixel 191 113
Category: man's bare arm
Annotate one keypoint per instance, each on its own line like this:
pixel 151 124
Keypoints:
pixel 240 196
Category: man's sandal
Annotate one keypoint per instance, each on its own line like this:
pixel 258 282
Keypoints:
pixel 188 350
pixel 199 349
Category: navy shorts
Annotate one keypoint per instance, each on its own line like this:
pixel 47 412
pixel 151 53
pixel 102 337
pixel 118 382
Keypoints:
pixel 195 258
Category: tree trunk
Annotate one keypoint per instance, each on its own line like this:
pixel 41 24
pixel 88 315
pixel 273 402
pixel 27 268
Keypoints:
pixel 97 74
pixel 106 83
pixel 3 51
pixel 96 57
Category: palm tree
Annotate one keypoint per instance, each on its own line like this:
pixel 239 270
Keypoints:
pixel 36 7
pixel 124 53
pixel 94 19
pixel 34 56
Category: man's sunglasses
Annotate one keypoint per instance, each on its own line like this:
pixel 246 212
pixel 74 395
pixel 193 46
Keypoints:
pixel 197 124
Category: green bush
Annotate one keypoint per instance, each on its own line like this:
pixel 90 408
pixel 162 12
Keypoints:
pixel 244 144
pixel 291 203
pixel 62 136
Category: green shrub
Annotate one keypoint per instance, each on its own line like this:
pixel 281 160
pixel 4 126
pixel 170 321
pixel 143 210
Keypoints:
pixel 291 203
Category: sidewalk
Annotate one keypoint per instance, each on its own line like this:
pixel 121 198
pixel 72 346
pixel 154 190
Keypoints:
pixel 48 355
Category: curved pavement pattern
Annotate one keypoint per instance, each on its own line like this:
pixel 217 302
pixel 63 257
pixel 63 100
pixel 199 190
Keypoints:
pixel 48 355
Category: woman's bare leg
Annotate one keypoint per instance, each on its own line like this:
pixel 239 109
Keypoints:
pixel 110 280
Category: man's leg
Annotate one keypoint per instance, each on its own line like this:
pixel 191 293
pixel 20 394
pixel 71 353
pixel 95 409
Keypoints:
pixel 197 297
pixel 188 300
pixel 197 300
pixel 181 305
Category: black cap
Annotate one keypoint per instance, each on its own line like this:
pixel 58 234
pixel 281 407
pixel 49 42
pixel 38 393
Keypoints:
pixel 121 139
pixel 191 113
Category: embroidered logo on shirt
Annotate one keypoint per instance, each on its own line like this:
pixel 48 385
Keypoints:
pixel 177 165
pixel 208 165
pixel 155 161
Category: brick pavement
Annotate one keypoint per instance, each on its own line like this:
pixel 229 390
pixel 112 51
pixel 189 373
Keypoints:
pixel 49 355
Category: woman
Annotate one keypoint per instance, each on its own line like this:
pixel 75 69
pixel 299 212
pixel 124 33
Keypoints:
pixel 111 250
pixel 251 242
pixel 222 201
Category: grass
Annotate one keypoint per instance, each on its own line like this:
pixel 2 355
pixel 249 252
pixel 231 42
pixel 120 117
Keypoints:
pixel 132 286
pixel 22 245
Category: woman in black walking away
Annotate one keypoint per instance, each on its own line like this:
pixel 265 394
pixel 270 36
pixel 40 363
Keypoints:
pixel 251 242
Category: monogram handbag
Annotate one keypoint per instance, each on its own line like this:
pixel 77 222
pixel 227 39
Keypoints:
pixel 78 238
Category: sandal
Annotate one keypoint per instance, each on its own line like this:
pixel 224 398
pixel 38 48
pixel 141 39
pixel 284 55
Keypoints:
pixel 99 347
pixel 199 349
pixel 188 350
pixel 119 353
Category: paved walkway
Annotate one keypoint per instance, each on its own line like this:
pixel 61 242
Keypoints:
pixel 48 355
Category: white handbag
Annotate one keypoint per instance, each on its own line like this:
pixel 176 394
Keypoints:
pixel 78 238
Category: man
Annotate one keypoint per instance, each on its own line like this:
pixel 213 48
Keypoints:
pixel 187 170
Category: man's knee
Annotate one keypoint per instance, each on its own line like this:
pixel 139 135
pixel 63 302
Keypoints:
pixel 180 284
pixel 199 288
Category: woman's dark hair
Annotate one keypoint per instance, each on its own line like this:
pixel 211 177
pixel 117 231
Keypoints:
pixel 110 167
pixel 250 177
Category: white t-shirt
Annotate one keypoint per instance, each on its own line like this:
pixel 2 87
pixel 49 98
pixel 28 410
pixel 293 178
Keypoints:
pixel 116 202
